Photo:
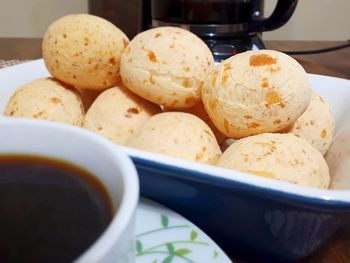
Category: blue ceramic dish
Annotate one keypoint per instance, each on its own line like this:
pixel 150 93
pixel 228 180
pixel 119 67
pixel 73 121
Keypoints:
pixel 250 215
pixel 246 216
pixel 242 212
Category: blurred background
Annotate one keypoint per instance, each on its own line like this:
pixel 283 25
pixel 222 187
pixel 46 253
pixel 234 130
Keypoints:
pixel 312 20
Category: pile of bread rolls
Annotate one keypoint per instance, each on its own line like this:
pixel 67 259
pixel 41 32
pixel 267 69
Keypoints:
pixel 162 92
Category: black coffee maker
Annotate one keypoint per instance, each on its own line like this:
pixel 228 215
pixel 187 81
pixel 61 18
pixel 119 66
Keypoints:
pixel 227 26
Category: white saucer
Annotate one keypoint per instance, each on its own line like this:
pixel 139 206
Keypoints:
pixel 163 236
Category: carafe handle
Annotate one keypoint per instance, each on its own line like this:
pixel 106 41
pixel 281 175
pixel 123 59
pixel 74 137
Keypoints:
pixel 280 15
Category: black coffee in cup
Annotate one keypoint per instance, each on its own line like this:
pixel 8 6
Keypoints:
pixel 50 211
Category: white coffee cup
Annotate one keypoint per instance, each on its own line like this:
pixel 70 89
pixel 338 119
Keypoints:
pixel 98 156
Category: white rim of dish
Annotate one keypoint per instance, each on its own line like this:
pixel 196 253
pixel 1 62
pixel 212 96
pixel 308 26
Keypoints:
pixel 129 201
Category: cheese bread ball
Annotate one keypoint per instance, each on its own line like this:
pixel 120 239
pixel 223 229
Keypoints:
pixel 278 156
pixel 200 112
pixel 316 124
pixel 84 51
pixel 256 92
pixel 180 135
pixel 166 65
pixel 46 99
pixel 117 114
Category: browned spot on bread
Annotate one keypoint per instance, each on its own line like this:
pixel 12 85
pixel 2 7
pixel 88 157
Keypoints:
pixel 227 66
pixel 172 45
pixel 174 103
pixel 74 77
pixel 265 84
pixel 272 98
pixel 261 60
pixel 152 57
pixel 323 133
pixel 212 104
pixel 253 125
pixel 110 73
pixel 276 122
pixel 130 60
pixel 201 83
pixel 64 35
pixel 86 41
pixel 56 100
pixel 133 110
pixel 99 128
pixel 190 100
pixel 214 79
pixel 266 144
pixel 199 156
pixel 151 78
pixel 157 35
pixel 125 42
pixel 207 132
pixel 186 83
pixel 248 117
pixel 204 149
pixel 38 114
pixel 226 126
pixel 112 61
pixel 274 70
pixel 187 69
pixel 225 78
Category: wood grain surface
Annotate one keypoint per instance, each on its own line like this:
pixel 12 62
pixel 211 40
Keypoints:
pixel 336 64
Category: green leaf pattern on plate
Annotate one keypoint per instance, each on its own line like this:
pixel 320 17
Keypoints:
pixel 138 246
pixel 165 221
pixel 171 249
pixel 194 235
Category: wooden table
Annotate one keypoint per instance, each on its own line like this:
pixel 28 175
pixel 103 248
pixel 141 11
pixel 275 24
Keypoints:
pixel 333 64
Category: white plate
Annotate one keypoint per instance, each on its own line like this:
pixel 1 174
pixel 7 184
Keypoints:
pixel 163 236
